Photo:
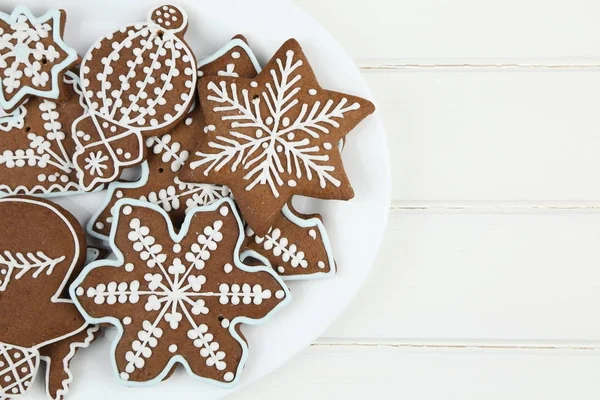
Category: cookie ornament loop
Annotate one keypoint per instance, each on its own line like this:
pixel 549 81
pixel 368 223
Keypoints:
pixel 138 81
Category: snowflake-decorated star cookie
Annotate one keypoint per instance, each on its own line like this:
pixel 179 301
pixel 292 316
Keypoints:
pixel 138 82
pixel 275 136
pixel 41 245
pixel 159 182
pixel 297 246
pixel 36 148
pixel 178 297
pixel 33 56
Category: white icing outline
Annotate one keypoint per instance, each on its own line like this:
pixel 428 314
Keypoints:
pixel 57 189
pixel 304 223
pixel 129 130
pixel 60 393
pixel 177 237
pixel 56 298
pixel 33 372
pixel 71 56
pixel 144 176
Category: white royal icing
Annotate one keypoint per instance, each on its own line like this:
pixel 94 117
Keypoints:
pixel 185 277
pixel 22 53
pixel 136 114
pixel 273 148
pixel 46 148
pixel 35 264
pixel 280 246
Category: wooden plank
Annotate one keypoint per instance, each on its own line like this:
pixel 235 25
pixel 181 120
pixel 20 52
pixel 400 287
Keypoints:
pixel 397 372
pixel 446 30
pixel 489 136
pixel 501 277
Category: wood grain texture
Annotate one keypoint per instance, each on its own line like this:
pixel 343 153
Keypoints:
pixel 510 30
pixel 454 373
pixel 491 136
pixel 488 282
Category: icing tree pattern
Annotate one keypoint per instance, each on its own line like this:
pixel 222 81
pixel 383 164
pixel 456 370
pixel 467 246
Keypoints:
pixel 151 93
pixel 33 56
pixel 40 148
pixel 297 246
pixel 178 296
pixel 18 366
pixel 34 264
pixel 275 135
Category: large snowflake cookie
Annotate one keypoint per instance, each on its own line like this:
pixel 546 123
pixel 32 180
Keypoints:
pixel 41 245
pixel 138 82
pixel 36 147
pixel 275 136
pixel 33 56
pixel 178 297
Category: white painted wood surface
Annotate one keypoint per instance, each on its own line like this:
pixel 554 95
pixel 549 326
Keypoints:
pixel 488 283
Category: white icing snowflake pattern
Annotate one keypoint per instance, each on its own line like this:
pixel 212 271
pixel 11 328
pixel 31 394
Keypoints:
pixel 96 163
pixel 273 145
pixel 179 286
pixel 25 54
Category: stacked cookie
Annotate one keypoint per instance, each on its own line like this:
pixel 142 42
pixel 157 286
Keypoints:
pixel 197 246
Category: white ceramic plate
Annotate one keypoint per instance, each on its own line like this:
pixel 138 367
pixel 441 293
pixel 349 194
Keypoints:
pixel 355 227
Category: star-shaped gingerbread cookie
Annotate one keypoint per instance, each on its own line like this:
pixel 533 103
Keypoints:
pixel 275 136
pixel 33 56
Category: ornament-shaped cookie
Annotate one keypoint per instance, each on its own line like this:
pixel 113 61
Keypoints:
pixel 36 147
pixel 138 82
pixel 33 56
pixel 159 182
pixel 41 245
pixel 275 136
pixel 178 297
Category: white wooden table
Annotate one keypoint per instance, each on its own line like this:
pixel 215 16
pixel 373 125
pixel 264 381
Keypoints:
pixel 488 283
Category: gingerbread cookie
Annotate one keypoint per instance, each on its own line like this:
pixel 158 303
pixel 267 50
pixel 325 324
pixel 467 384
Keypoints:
pixel 34 269
pixel 33 56
pixel 159 182
pixel 178 298
pixel 58 356
pixel 137 82
pixel 36 147
pixel 297 246
pixel 274 136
